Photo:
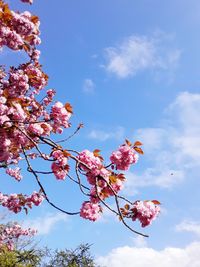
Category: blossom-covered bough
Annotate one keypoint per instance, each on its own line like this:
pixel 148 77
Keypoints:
pixel 11 233
pixel 28 124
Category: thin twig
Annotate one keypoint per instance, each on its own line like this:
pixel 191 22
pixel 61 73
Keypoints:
pixel 43 190
pixel 119 211
pixel 70 136
pixel 102 201
pixel 79 180
pixel 53 144
pixel 32 141
pixel 69 176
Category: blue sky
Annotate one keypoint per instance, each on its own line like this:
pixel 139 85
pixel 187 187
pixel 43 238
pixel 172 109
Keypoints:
pixel 131 70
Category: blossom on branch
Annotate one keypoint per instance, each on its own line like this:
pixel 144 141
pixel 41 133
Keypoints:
pixel 29 122
pixel 10 233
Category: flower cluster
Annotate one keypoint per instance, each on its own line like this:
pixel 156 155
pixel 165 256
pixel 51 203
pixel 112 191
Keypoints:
pixel 60 117
pixel 23 119
pixel 18 30
pixel 90 211
pixel 60 167
pixel 27 123
pixel 20 111
pixel 104 182
pixel 144 211
pixel 11 232
pixel 15 202
pixel 124 157
pixel 14 173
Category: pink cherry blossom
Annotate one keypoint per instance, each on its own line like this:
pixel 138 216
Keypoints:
pixel 145 212
pixel 58 171
pixel 90 211
pixel 90 160
pixel 11 232
pixel 14 173
pixel 60 117
pixel 28 120
pixel 124 157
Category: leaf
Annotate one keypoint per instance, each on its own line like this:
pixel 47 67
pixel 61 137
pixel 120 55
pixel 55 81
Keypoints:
pixel 96 151
pixel 66 153
pixel 29 38
pixel 96 154
pixel 26 47
pixel 66 168
pixel 121 177
pixel 34 19
pixel 5 93
pixel 112 179
pixel 139 150
pixel 128 142
pixel 137 143
pixel 7 13
pixel 156 202
pixel 46 77
pixel 68 107
pixel 127 207
pixel 1 4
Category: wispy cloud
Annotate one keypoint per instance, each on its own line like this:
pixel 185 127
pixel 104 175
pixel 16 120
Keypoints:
pixel 45 224
pixel 163 177
pixel 101 135
pixel 148 257
pixel 189 226
pixel 88 86
pixel 138 53
pixel 173 149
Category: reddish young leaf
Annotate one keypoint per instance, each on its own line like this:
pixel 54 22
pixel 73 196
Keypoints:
pixel 121 177
pixel 66 153
pixel 139 150
pixel 96 154
pixel 128 142
pixel 66 168
pixel 112 179
pixel 156 202
pixel 96 151
pixel 68 107
pixel 26 47
pixel 34 19
pixel 127 206
pixel 7 12
pixel 137 143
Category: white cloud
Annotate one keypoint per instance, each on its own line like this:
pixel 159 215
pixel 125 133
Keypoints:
pixel 45 224
pixel 88 86
pixel 117 134
pixel 164 178
pixel 138 53
pixel 148 257
pixel 186 110
pixel 189 226
pixel 173 149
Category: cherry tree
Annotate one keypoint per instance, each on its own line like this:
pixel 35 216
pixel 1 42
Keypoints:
pixel 29 124
pixel 10 233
